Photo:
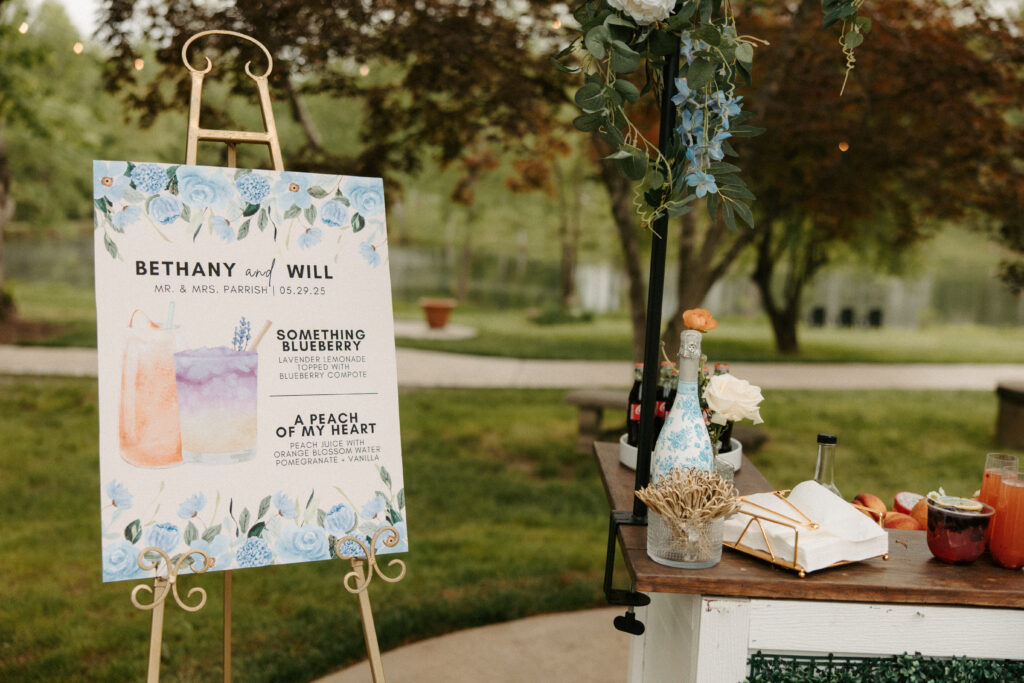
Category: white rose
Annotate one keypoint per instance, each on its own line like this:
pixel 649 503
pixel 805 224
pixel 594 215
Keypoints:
pixel 645 12
pixel 731 399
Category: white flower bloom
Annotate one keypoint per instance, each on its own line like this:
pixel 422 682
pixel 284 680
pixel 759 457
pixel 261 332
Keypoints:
pixel 731 399
pixel 645 12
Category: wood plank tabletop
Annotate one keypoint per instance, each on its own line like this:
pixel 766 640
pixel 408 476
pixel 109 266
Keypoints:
pixel 910 575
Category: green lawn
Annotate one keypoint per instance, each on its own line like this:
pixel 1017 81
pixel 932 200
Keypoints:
pixel 505 521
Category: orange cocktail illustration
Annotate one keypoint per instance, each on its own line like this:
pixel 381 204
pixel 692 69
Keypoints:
pixel 149 432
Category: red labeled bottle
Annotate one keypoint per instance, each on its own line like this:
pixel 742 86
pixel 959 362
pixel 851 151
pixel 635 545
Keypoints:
pixel 633 407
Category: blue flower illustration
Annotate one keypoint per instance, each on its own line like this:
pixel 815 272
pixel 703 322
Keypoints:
pixel 219 549
pixel 109 180
pixel 339 520
pixel 366 195
pixel 149 178
pixel 403 540
pixel 370 253
pixel 205 188
pixel 302 543
pixel 253 187
pixel 334 213
pixel 350 548
pixel 285 505
pixel 254 553
pixel 129 215
pixel 192 505
pixel 292 189
pixel 222 228
pixel 164 209
pixel 310 238
pixel 165 536
pixel 373 507
pixel 118 495
pixel 120 561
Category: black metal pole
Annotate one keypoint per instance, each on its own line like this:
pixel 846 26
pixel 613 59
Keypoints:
pixel 655 292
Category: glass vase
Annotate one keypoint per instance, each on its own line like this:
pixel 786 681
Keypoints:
pixel 695 545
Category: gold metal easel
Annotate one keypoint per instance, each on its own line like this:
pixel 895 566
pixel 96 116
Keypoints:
pixel 357 581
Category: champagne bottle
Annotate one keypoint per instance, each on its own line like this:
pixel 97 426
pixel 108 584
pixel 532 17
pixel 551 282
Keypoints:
pixel 684 440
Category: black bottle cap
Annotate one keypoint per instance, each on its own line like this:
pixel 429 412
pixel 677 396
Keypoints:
pixel 828 439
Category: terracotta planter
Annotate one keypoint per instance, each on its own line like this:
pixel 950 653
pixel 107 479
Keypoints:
pixel 437 311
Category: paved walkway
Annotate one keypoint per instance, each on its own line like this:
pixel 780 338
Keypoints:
pixel 438 369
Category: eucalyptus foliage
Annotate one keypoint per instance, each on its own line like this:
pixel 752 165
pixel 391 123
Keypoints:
pixel 621 52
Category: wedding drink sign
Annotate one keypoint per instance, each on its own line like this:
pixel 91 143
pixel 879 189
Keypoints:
pixel 247 378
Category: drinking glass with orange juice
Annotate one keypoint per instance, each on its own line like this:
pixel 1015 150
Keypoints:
pixel 1006 541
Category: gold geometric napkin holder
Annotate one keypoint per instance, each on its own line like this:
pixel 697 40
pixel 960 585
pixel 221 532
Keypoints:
pixel 798 521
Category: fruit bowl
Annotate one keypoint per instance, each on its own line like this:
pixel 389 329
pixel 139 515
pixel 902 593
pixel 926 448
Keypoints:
pixel 956 532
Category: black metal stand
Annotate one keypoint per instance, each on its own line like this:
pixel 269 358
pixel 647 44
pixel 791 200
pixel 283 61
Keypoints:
pixel 652 338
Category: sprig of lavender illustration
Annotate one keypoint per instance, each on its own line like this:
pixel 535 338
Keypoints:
pixel 243 333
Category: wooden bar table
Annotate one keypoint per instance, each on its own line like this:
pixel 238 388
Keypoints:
pixel 702 624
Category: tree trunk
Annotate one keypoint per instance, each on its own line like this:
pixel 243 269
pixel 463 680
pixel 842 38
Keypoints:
pixel 620 193
pixel 6 215
pixel 699 269
pixel 569 204
pixel 302 116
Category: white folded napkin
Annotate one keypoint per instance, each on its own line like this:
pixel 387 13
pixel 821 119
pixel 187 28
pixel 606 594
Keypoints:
pixel 844 535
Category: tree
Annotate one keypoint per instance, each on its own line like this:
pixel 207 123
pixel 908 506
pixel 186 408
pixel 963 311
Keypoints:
pixel 921 132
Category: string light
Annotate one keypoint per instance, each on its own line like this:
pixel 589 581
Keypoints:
pixel 843 146
pixel 556 24
pixel 77 49
pixel 364 70
pixel 139 64
pixel 23 28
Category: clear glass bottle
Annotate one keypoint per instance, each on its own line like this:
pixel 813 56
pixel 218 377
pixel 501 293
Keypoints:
pixel 684 440
pixel 825 470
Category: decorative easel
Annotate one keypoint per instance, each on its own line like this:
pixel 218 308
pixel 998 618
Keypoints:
pixel 357 580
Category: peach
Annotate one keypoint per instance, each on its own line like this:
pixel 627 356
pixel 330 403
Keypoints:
pixel 871 505
pixel 898 520
pixel 920 513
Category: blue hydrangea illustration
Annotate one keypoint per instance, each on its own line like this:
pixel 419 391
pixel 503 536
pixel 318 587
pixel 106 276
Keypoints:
pixel 403 540
pixel 373 507
pixel 192 505
pixel 165 209
pixel 334 213
pixel 285 505
pixel 254 553
pixel 366 195
pixel 119 496
pixel 350 548
pixel 165 536
pixel 120 561
pixel 253 188
pixel 129 215
pixel 222 228
pixel 339 520
pixel 149 178
pixel 204 188
pixel 292 189
pixel 310 238
pixel 109 180
pixel 302 543
pixel 369 252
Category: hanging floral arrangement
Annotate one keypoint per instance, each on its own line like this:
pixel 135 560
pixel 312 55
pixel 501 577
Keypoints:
pixel 621 48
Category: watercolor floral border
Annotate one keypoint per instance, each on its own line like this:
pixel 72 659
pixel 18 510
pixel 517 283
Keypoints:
pixel 276 531
pixel 301 210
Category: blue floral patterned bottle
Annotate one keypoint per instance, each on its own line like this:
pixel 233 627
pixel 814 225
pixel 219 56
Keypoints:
pixel 684 440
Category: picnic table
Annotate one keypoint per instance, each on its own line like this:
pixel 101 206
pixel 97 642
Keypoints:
pixel 702 624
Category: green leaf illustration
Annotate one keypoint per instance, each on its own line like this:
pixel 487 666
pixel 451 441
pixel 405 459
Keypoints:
pixel 211 533
pixel 241 172
pixel 256 529
pixel 250 209
pixel 133 532
pixel 262 220
pixel 186 213
pixel 191 533
pixel 310 214
pixel 358 222
pixel 292 212
pixel 110 245
pixel 264 506
pixel 243 520
pixel 385 477
pixel 317 191
pixel 244 230
pixel 132 195
pixel 401 498
pixel 320 514
pixel 310 500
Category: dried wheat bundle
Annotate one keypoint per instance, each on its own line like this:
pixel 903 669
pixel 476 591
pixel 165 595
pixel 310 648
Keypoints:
pixel 691 495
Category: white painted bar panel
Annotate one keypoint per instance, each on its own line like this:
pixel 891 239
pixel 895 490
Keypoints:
pixel 886 629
